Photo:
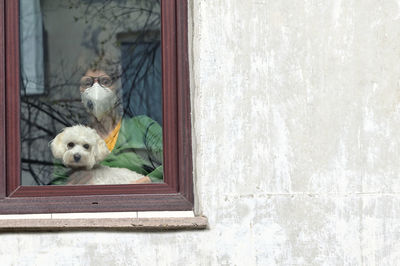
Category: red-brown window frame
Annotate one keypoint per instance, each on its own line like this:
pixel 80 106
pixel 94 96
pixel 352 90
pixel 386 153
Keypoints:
pixel 176 193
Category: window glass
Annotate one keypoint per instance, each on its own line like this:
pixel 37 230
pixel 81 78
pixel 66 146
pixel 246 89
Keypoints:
pixel 91 105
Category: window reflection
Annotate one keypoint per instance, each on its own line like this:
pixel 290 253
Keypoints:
pixel 96 64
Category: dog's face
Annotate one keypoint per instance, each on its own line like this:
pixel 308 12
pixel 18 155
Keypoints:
pixel 79 146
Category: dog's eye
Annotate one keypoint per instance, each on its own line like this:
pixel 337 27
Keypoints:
pixel 71 145
pixel 86 146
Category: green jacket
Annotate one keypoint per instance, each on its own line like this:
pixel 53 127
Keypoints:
pixel 138 148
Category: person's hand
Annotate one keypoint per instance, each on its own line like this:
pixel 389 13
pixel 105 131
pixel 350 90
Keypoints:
pixel 143 180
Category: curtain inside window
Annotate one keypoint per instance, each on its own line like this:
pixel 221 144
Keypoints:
pixel 31 35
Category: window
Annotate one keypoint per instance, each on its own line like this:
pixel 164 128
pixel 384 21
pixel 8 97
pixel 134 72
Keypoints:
pixel 24 188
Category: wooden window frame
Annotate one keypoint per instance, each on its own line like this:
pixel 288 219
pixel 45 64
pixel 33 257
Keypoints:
pixel 176 193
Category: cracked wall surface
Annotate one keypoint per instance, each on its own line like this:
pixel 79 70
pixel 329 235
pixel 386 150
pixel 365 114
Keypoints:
pixel 296 122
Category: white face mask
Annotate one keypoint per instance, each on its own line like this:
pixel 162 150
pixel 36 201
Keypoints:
pixel 99 100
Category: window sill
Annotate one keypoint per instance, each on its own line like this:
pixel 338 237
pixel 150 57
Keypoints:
pixel 133 221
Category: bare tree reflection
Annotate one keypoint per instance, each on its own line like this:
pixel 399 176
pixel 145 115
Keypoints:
pixel 43 116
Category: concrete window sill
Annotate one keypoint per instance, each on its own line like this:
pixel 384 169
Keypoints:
pixel 132 221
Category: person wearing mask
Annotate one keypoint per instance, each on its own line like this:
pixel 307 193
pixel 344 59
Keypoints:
pixel 135 142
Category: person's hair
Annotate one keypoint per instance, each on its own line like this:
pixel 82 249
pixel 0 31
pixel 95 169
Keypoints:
pixel 111 66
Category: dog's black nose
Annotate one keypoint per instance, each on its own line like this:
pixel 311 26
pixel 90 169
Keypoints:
pixel 89 105
pixel 77 157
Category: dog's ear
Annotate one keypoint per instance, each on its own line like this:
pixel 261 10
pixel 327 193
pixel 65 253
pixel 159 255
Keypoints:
pixel 57 146
pixel 101 150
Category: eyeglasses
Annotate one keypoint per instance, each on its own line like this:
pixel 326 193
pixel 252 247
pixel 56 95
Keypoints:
pixel 88 81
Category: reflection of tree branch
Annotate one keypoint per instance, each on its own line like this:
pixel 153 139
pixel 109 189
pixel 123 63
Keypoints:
pixel 30 161
pixel 43 116
pixel 33 139
pixel 146 15
pixel 49 132
pixel 39 123
pixel 61 119
pixel 34 176
pixel 144 66
pixel 107 8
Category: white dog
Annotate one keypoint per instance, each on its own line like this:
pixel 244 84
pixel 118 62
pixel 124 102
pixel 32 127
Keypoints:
pixel 81 148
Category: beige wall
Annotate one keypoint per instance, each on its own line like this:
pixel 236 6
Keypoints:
pixel 296 111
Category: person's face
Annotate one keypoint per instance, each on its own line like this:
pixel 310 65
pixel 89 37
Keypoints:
pixel 99 77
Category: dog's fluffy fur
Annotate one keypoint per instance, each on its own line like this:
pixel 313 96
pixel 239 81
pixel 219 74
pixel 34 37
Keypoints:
pixel 81 148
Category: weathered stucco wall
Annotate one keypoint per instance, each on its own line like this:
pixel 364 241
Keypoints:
pixel 296 122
